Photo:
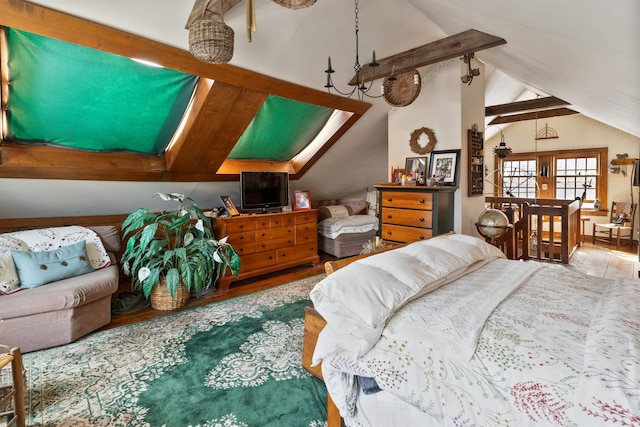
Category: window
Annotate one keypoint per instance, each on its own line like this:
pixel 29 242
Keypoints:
pixel 574 175
pixel 562 174
pixel 519 178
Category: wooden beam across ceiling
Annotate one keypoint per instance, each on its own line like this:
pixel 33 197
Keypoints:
pixel 533 115
pixel 458 45
pixel 520 106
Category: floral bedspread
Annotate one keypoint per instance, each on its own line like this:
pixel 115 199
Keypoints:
pixel 562 350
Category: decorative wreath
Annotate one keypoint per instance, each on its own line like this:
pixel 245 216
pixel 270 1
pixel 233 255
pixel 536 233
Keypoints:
pixel 415 136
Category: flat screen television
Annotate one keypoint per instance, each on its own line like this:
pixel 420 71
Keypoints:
pixel 263 190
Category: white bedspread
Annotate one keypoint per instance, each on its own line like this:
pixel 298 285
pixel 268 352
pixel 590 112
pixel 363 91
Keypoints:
pixel 562 349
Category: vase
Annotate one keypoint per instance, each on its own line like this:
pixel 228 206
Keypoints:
pixel 161 299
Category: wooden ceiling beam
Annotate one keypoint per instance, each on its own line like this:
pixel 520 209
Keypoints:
pixel 455 46
pixel 511 118
pixel 519 106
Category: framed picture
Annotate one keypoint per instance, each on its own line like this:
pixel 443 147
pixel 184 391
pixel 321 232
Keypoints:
pixel 229 206
pixel 301 200
pixel 417 167
pixel 445 167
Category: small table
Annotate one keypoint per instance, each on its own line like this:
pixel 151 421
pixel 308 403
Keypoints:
pixel 583 220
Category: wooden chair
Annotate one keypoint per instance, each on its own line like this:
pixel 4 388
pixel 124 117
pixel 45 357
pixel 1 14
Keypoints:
pixel 12 403
pixel 620 225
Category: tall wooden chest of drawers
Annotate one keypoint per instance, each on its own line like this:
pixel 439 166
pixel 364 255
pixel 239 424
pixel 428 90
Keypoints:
pixel 269 242
pixel 412 213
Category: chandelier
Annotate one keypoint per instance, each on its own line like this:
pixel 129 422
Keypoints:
pixel 360 88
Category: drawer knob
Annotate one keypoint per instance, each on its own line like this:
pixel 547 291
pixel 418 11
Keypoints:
pixel 421 219
pixel 421 237
pixel 264 246
pixel 421 200
pixel 389 233
pixel 388 215
pixel 389 199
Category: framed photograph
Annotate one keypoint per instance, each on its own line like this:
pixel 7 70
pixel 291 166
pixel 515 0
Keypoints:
pixel 417 167
pixel 445 167
pixel 301 200
pixel 229 206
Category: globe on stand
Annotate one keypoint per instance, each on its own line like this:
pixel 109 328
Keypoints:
pixel 493 224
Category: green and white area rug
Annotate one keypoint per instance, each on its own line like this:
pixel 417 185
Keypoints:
pixel 232 363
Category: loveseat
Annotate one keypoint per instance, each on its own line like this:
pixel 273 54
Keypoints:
pixel 64 310
pixel 344 227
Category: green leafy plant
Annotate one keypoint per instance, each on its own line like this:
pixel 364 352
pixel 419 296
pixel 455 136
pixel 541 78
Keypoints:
pixel 178 245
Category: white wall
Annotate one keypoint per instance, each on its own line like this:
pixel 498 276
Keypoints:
pixel 575 131
pixel 449 108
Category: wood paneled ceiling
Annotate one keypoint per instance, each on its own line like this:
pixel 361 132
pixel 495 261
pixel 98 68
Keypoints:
pixel 225 101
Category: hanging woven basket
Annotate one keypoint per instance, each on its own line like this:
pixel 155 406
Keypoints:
pixel 211 41
pixel 404 89
pixel 161 299
pixel 295 4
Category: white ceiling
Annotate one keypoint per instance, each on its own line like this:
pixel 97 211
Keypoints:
pixel 586 52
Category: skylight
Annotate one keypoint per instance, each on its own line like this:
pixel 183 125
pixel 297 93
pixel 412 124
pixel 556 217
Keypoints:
pixel 67 95
pixel 281 129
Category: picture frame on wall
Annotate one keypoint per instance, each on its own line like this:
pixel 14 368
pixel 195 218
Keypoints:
pixel 229 205
pixel 301 200
pixel 417 167
pixel 445 167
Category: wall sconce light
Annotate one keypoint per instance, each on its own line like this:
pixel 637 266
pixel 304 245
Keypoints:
pixel 471 72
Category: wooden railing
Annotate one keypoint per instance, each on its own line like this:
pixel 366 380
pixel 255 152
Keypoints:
pixel 543 229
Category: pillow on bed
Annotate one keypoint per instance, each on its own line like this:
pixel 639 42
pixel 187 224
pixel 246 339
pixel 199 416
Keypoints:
pixel 357 300
pixel 334 211
pixel 37 268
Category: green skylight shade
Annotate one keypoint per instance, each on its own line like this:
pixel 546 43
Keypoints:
pixel 281 129
pixel 73 96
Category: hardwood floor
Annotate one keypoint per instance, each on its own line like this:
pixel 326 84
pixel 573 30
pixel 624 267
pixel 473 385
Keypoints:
pixel 595 260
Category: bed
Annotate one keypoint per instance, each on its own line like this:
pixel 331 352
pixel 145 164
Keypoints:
pixel 448 332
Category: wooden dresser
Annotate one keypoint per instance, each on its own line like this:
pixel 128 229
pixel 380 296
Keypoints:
pixel 412 213
pixel 269 242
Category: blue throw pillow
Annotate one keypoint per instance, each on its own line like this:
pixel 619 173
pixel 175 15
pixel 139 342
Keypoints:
pixel 37 268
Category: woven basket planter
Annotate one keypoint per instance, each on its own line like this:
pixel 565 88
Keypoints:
pixel 161 298
pixel 295 4
pixel 211 41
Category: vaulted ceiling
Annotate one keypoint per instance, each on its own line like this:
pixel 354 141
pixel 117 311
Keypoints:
pixel 584 54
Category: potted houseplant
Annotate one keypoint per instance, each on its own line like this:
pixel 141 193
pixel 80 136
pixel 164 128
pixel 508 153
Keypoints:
pixel 176 249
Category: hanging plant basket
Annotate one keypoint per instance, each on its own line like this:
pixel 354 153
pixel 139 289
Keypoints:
pixel 161 299
pixel 211 41
pixel 502 152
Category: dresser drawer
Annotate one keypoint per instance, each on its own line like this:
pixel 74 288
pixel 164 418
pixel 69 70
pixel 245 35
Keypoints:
pixel 271 244
pixel 282 221
pixel 240 238
pixel 305 218
pixel 306 233
pixel 245 248
pixel 294 253
pixel 237 226
pixel 407 200
pixel 413 218
pixel 257 260
pixel 275 233
pixel 399 233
